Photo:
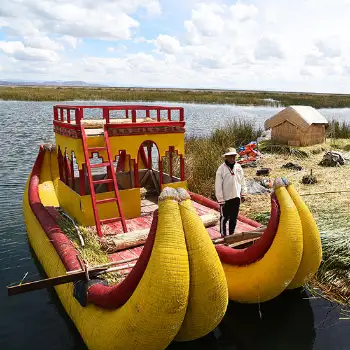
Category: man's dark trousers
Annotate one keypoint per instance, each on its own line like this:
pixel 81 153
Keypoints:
pixel 229 212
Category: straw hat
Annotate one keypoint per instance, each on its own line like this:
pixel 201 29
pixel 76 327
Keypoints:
pixel 230 152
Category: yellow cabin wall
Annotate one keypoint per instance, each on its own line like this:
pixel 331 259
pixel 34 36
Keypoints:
pixel 130 144
pixel 80 207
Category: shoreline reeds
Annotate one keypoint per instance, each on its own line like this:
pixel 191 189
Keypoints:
pixel 254 98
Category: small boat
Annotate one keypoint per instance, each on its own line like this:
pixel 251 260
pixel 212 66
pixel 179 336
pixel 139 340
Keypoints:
pixel 116 176
pixel 103 179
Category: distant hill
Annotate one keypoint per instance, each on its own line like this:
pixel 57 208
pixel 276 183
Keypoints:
pixel 49 83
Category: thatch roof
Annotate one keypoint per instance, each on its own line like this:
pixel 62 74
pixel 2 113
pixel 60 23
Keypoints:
pixel 300 116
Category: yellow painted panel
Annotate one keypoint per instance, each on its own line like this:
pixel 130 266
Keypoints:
pixel 72 145
pixel 132 143
pixel 70 202
pixel 80 207
pixel 131 204
pixel 129 143
pixel 46 187
pixel 182 184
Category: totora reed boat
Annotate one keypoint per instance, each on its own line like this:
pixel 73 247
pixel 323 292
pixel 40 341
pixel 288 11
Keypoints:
pixel 159 272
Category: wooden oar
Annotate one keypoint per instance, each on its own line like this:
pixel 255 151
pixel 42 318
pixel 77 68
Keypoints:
pixel 71 276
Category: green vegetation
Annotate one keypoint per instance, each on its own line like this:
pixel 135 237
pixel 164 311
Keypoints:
pixel 203 154
pixel 41 93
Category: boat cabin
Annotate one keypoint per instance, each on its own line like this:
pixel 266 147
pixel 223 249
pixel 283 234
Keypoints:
pixel 114 160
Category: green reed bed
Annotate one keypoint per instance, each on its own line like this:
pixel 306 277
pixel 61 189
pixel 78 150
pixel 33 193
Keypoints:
pixel 92 252
pixel 256 98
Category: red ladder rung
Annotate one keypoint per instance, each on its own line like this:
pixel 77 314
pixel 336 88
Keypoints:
pixel 107 200
pixel 110 220
pixel 104 181
pixel 96 149
pixel 99 165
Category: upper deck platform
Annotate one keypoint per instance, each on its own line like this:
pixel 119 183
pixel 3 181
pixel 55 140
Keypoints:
pixel 120 120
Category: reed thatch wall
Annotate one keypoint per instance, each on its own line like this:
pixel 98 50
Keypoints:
pixel 297 126
pixel 289 134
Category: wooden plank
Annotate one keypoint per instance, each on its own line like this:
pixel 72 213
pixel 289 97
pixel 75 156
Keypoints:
pixel 49 282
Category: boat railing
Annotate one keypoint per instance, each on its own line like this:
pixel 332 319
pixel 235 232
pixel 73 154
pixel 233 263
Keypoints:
pixel 75 114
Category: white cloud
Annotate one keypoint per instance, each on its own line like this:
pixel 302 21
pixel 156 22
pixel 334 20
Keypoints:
pixel 18 51
pixel 167 44
pixel 254 44
pixel 106 20
pixel 267 48
pixel 70 41
pixel 42 42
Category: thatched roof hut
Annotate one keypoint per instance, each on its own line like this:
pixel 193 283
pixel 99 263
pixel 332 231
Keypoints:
pixel 297 126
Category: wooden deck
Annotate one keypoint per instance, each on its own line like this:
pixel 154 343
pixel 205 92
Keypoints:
pixel 148 206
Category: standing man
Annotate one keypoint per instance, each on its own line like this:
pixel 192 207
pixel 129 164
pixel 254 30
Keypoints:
pixel 230 187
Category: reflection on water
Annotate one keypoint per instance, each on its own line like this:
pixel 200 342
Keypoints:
pixel 37 320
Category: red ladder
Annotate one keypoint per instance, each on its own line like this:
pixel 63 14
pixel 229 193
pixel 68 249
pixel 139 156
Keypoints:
pixel 108 181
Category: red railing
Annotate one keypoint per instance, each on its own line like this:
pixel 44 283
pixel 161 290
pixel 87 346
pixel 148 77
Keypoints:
pixel 64 113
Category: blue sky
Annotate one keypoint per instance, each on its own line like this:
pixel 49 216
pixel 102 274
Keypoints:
pixel 259 44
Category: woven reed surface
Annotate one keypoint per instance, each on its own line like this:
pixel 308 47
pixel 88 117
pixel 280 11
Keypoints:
pixel 267 278
pixel 153 315
pixel 208 295
pixel 312 247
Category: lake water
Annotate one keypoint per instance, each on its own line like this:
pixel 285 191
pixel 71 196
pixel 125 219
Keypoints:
pixel 37 320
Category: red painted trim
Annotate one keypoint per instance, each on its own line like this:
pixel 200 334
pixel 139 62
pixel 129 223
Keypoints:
pixel 90 181
pixel 136 174
pixel 60 163
pixel 66 125
pixel 182 168
pixel 118 295
pixel 256 251
pixel 120 107
pixel 171 149
pixel 72 172
pixel 82 180
pixel 121 161
pixel 115 183
pixel 160 168
pixel 100 295
pixel 145 125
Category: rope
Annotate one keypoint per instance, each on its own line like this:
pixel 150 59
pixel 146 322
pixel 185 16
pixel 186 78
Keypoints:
pixel 317 193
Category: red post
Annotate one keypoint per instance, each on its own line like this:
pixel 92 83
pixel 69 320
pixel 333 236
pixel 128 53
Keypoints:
pixel 82 180
pixel 171 161
pixel 61 115
pixel 181 115
pixel 182 168
pixel 160 166
pixel 60 163
pixel 68 116
pixel 72 173
pixel 147 113
pixel 133 116
pixel 136 174
pixel 169 114
pixel 127 114
pixel 149 156
pixel 66 169
pixel 158 115
pixel 55 113
pixel 106 114
pixel 78 115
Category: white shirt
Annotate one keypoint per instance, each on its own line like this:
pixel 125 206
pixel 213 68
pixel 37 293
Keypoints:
pixel 229 184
